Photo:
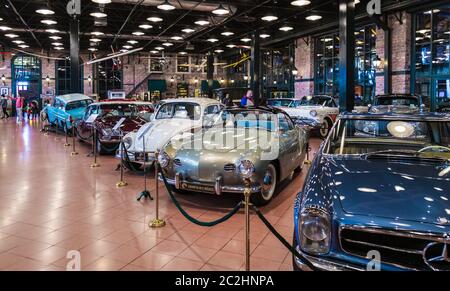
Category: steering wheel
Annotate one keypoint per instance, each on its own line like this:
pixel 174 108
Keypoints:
pixel 434 148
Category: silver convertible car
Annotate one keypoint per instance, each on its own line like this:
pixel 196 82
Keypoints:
pixel 260 146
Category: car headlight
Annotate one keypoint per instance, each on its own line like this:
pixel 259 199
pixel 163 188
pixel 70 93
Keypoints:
pixel 246 169
pixel 127 142
pixel 313 113
pixel 163 159
pixel 315 231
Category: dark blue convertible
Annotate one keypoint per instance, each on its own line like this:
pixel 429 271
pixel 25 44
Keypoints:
pixel 377 195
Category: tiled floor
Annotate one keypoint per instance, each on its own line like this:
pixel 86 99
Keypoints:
pixel 51 203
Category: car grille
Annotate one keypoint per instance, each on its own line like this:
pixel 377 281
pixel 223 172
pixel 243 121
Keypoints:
pixel 229 168
pixel 177 162
pixel 406 251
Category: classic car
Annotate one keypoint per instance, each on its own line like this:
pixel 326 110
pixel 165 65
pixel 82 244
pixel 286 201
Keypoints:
pixel 261 144
pixel 108 113
pixel 321 108
pixel 171 117
pixel 283 103
pixel 397 103
pixel 377 195
pixel 67 109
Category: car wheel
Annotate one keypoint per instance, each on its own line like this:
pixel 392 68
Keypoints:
pixel 268 188
pixel 325 129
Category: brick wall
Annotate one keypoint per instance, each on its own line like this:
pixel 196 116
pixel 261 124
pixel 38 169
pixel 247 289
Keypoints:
pixel 401 45
pixel 304 62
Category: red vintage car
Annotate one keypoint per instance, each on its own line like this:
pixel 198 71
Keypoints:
pixel 104 115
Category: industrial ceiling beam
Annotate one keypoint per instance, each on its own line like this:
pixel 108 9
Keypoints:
pixel 24 22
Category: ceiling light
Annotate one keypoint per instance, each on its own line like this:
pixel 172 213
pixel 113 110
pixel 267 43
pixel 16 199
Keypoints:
pixel 264 35
pixel 98 14
pixel 221 10
pixel 11 35
pixel 183 53
pixel 212 40
pixel 246 39
pixel 123 50
pixel 95 40
pixel 102 1
pixel 92 49
pixel 154 52
pixel 269 18
pixel 227 33
pixel 166 6
pixel 24 46
pixel 202 22
pixel 167 44
pixel 4 28
pixel 18 41
pixel 231 45
pixel 59 48
pixel 155 19
pixel 145 26
pixel 133 41
pixel 176 38
pixel 300 2
pixel 159 48
pixel 218 51
pixel 313 17
pixel 45 11
pixel 127 47
pixel 97 33
pixel 57 44
pixel 52 30
pixel 188 30
pixel 286 28
pixel 55 37
pixel 48 21
pixel 138 33
pixel 1 19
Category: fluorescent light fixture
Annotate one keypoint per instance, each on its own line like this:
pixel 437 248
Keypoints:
pixel 102 1
pixel 176 38
pixel 231 45
pixel 11 35
pixel 313 17
pixel 127 47
pixel 300 2
pixel 18 41
pixel 45 11
pixel 98 14
pixel 227 33
pixel 221 10
pixel 154 52
pixel 182 53
pixel 188 30
pixel 48 21
pixel 55 37
pixel 286 28
pixel 124 50
pixel 219 51
pixel 264 35
pixel 133 41
pixel 24 46
pixel 95 40
pixel 202 22
pixel 159 48
pixel 269 18
pixel 57 44
pixel 145 26
pixel 97 33
pixel 59 48
pixel 212 40
pixel 155 19
pixel 138 33
pixel 4 28
pixel 52 30
pixel 92 49
pixel 166 6
pixel 246 39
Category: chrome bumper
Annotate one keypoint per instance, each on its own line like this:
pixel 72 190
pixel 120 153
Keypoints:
pixel 132 157
pixel 323 264
pixel 217 187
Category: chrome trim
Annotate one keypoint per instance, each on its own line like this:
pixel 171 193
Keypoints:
pixel 324 264
pixel 178 180
pixel 218 186
pixel 409 251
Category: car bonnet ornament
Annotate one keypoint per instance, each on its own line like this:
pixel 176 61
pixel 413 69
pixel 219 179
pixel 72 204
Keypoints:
pixel 440 261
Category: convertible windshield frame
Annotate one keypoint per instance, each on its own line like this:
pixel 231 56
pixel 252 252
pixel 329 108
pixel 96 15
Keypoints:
pixel 196 116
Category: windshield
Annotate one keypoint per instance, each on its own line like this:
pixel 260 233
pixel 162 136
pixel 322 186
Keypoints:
pixel 397 101
pixel 179 110
pixel 281 102
pixel 78 104
pixel 257 119
pixel 356 137
pixel 122 110
pixel 315 101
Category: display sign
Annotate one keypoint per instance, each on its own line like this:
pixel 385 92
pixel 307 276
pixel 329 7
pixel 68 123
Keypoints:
pixel 92 118
pixel 118 124
pixel 182 90
pixel 116 95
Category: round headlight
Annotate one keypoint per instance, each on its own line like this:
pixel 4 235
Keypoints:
pixel 246 169
pixel 314 231
pixel 127 142
pixel 163 159
pixel 313 113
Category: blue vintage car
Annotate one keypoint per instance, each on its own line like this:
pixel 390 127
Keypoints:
pixel 66 108
pixel 377 195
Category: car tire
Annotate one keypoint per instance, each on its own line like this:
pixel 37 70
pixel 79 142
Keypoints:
pixel 323 131
pixel 264 196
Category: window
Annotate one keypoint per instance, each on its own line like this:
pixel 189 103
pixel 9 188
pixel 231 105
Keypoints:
pixel 182 64
pixel 110 75
pixel 212 109
pixel 26 76
pixel 156 63
pixel 62 74
pixel 179 110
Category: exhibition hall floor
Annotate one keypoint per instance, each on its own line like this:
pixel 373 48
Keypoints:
pixel 51 203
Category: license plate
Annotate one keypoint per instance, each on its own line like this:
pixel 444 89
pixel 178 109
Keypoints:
pixel 200 188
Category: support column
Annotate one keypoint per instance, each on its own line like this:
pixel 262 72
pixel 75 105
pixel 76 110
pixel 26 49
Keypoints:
pixel 291 68
pixel 255 68
pixel 75 82
pixel 210 73
pixel 346 55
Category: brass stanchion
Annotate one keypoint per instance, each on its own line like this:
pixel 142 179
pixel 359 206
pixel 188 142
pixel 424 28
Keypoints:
pixel 145 193
pixel 121 183
pixel 74 151
pixel 307 161
pixel 66 143
pixel 157 222
pixel 247 194
pixel 94 147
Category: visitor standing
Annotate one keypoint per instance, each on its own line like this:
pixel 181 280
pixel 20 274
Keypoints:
pixel 247 100
pixel 19 108
pixel 4 105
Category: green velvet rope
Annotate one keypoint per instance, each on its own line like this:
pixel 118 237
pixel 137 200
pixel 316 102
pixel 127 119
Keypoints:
pixel 192 219
pixel 129 164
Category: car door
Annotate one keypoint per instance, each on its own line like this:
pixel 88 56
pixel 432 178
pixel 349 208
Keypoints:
pixel 51 111
pixel 290 148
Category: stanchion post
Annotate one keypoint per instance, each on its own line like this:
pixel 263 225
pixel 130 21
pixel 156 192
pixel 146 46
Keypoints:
pixel 308 149
pixel 66 143
pixel 121 183
pixel 144 193
pixel 74 151
pixel 94 147
pixel 157 222
pixel 247 194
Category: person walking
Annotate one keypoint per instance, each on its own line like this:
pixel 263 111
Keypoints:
pixel 4 105
pixel 19 108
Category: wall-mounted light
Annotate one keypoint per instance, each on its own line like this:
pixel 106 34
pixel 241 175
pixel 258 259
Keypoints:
pixel 3 79
pixel 378 63
pixel 47 79
pixel 89 80
pixel 294 71
pixel 222 81
pixel 172 80
pixel 245 77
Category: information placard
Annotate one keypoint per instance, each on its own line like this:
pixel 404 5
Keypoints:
pixel 92 118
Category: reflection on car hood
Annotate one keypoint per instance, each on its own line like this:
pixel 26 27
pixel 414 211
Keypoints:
pixel 130 123
pixel 393 109
pixel 391 188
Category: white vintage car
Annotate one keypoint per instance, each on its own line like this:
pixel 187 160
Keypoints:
pixel 322 108
pixel 172 117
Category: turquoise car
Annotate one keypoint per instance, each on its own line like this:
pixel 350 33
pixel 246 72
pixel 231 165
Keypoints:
pixel 67 109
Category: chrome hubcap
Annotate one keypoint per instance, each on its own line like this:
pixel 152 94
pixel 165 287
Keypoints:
pixel 268 187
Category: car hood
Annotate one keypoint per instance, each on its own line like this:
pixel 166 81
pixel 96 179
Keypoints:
pixel 160 133
pixel 300 109
pixel 391 188
pixel 129 124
